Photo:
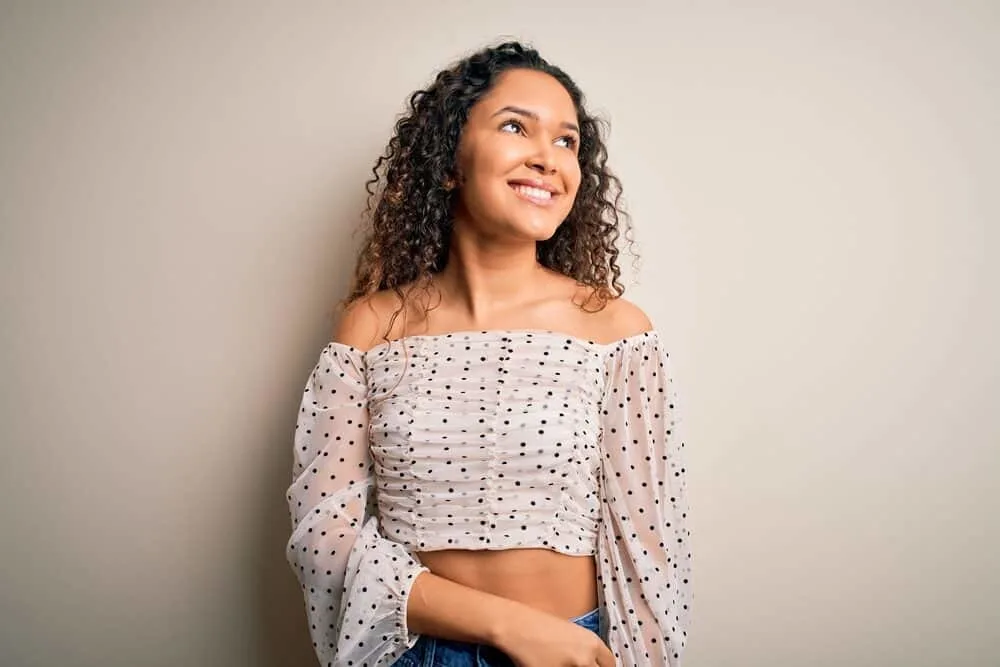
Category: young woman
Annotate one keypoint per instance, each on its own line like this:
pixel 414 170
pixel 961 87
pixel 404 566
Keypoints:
pixel 486 466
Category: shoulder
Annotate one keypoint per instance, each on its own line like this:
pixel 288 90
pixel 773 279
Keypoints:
pixel 626 319
pixel 364 321
pixel 618 319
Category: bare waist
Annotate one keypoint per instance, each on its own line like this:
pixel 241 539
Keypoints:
pixel 557 583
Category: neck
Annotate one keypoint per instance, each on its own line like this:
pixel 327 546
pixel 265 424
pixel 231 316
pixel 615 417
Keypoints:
pixel 483 277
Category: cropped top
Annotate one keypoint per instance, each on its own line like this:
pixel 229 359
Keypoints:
pixel 489 440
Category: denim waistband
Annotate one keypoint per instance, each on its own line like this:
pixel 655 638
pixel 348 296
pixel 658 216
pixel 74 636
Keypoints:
pixel 582 619
pixel 433 652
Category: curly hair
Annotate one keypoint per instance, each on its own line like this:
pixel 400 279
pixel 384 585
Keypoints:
pixel 408 216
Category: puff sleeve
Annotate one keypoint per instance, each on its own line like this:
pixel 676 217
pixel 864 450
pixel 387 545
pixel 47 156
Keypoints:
pixel 355 581
pixel 644 557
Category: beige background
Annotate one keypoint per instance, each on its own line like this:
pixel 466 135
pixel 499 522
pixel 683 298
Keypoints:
pixel 814 185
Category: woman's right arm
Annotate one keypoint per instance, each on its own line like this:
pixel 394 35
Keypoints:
pixel 354 581
pixel 532 638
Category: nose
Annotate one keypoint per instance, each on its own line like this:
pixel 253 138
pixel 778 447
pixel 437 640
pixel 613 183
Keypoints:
pixel 542 160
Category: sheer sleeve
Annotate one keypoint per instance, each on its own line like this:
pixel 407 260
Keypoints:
pixel 355 581
pixel 644 556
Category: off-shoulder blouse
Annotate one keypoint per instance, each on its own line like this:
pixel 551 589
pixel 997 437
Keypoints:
pixel 489 440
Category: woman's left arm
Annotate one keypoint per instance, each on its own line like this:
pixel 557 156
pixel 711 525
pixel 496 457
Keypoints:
pixel 644 553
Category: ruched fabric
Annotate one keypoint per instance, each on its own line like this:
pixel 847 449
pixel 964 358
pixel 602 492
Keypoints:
pixel 489 440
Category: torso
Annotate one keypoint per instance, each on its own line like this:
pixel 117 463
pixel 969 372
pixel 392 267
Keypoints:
pixel 563 585
pixel 560 584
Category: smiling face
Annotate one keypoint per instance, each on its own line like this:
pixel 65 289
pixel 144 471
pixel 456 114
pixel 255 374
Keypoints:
pixel 517 158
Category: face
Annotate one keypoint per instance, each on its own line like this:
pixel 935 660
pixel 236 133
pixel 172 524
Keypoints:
pixel 518 158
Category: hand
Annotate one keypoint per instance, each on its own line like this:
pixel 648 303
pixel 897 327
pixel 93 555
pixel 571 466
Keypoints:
pixel 538 639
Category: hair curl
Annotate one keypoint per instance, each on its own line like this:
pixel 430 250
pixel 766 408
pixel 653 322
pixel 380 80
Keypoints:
pixel 407 232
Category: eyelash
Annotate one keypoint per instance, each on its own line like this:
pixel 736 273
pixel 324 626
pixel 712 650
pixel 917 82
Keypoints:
pixel 571 140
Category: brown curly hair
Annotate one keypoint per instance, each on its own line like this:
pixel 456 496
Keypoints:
pixel 408 216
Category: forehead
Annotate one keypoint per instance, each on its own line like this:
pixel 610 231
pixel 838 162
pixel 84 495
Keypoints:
pixel 531 90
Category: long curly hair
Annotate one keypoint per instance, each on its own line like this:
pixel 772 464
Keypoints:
pixel 407 222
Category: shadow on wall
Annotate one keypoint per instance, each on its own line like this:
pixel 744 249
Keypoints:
pixel 283 639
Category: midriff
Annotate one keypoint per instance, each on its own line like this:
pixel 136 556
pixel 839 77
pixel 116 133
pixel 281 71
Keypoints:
pixel 562 585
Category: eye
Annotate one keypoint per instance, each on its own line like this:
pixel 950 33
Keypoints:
pixel 570 140
pixel 512 123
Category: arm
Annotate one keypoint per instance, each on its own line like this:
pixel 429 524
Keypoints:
pixel 442 608
pixel 643 547
pixel 531 638
pixel 354 581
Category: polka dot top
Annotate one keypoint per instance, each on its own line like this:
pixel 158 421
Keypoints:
pixel 489 440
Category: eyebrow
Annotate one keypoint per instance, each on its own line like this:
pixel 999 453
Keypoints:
pixel 534 116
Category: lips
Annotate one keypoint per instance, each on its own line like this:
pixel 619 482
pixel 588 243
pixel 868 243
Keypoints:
pixel 534 195
pixel 534 192
pixel 535 183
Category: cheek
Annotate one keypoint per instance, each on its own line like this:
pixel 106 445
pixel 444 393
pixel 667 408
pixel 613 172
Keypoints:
pixel 498 159
pixel 573 177
pixel 486 154
pixel 486 171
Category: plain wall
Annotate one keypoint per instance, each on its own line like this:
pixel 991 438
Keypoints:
pixel 814 190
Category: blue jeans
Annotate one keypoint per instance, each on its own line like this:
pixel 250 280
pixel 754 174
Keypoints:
pixel 432 652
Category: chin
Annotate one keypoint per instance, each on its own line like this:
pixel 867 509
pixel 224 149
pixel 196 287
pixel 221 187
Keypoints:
pixel 538 233
pixel 547 235
pixel 516 225
pixel 538 229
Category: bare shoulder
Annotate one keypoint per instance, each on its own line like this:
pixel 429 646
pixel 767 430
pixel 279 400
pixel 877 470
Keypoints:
pixel 608 319
pixel 621 318
pixel 365 321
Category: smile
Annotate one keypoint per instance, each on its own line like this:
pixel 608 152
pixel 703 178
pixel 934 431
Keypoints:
pixel 536 196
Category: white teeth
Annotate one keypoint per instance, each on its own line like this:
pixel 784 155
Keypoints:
pixel 534 193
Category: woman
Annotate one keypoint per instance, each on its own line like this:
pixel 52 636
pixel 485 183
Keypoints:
pixel 485 466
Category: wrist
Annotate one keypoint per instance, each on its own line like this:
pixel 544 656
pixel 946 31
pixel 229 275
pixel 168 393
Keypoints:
pixel 503 625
